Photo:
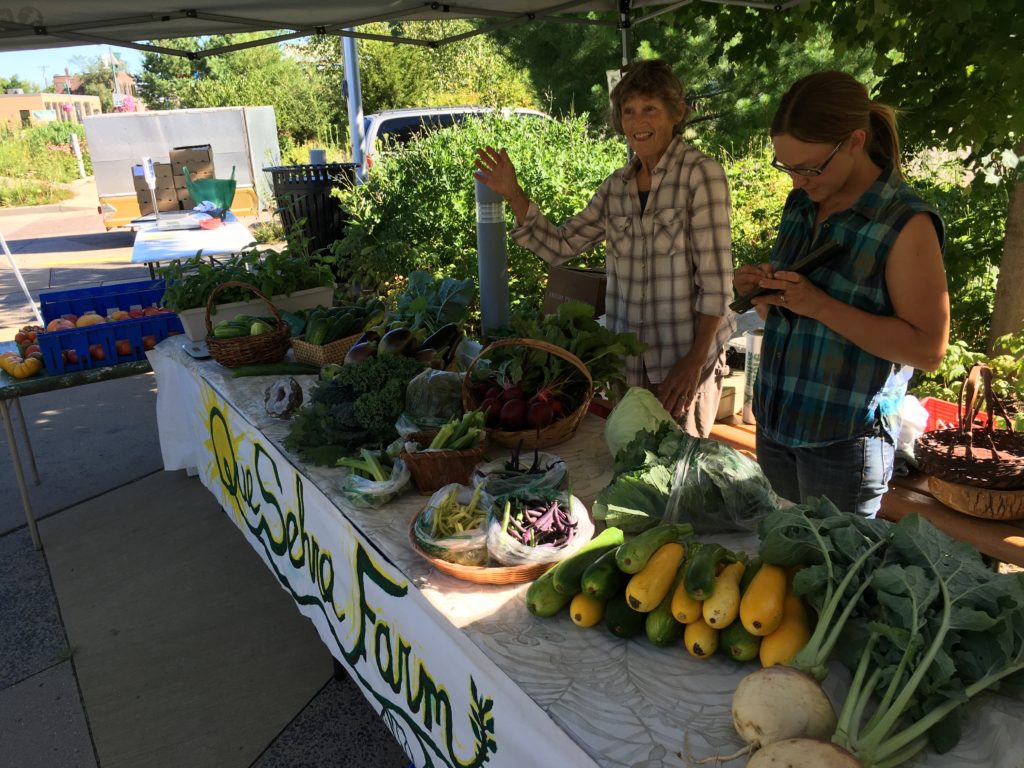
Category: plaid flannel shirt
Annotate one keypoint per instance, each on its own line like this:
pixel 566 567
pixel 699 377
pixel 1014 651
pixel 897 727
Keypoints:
pixel 664 266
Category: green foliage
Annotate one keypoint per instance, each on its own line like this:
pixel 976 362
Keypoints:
pixel 33 161
pixel 1007 365
pixel 190 282
pixel 758 194
pixel 418 208
pixel 16 82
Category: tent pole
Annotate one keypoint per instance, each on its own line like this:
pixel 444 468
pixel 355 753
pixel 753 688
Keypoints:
pixel 625 32
pixel 354 90
pixel 21 281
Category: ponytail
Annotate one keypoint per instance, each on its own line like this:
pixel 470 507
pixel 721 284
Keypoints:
pixel 884 139
pixel 826 107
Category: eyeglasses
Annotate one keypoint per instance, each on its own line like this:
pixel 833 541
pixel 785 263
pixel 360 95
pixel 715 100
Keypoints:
pixel 809 173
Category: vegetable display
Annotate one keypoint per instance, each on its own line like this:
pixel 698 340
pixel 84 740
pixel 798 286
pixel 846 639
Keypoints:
pixel 325 325
pixel 918 619
pixel 522 473
pixel 535 523
pixel 352 407
pixel 459 434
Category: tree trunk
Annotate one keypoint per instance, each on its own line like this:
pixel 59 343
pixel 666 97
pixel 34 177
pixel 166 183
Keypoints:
pixel 1008 312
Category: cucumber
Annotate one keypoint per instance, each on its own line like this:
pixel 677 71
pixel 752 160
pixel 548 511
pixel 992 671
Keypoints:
pixel 229 331
pixel 567 575
pixel 634 554
pixel 602 578
pixel 661 626
pixel 542 599
pixel 700 576
pixel 275 369
pixel 621 620
pixel 738 643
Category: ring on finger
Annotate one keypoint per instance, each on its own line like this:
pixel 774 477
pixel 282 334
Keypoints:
pixel 782 297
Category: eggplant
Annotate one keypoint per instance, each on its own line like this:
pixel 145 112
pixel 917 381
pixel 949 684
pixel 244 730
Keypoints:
pixel 400 342
pixel 445 340
pixel 357 353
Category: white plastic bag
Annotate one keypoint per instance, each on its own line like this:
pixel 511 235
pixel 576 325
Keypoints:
pixel 505 550
pixel 552 475
pixel 364 493
pixel 914 419
pixel 466 548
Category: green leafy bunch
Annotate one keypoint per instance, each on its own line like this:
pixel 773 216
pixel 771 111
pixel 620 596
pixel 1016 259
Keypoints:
pixel 429 303
pixel 573 328
pixel 356 408
pixel 190 282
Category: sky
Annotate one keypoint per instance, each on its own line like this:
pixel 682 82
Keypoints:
pixel 28 65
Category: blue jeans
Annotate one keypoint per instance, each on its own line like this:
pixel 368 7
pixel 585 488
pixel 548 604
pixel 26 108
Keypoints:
pixel 853 474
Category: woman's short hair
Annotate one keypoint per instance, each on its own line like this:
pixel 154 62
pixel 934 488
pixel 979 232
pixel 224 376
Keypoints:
pixel 826 107
pixel 653 78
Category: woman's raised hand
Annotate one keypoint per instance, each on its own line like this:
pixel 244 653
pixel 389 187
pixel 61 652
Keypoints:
pixel 495 169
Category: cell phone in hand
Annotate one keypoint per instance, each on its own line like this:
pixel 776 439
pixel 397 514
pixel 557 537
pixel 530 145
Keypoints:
pixel 804 266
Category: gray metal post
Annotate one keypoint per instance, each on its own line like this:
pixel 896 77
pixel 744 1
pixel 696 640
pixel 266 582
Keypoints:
pixel 492 258
pixel 354 92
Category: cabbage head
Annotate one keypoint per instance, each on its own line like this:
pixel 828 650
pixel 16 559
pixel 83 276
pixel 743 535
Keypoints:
pixel 639 409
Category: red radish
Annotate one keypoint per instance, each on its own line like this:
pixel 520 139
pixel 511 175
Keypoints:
pixel 512 392
pixel 539 415
pixel 491 408
pixel 512 415
pixel 493 392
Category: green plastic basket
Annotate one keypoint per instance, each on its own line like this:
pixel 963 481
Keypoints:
pixel 220 192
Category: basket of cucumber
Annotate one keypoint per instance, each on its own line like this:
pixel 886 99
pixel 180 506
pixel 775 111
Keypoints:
pixel 330 333
pixel 234 343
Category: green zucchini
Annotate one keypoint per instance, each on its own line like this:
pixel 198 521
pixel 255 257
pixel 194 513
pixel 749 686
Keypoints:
pixel 634 554
pixel 661 626
pixel 567 575
pixel 621 620
pixel 602 578
pixel 700 576
pixel 542 599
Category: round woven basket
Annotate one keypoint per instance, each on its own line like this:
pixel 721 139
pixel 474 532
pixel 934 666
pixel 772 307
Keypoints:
pixel 322 354
pixel 431 470
pixel 479 574
pixel 268 347
pixel 558 431
pixel 978 502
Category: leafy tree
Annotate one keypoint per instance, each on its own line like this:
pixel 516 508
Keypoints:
pixel 16 82
pixel 249 77
pixel 957 77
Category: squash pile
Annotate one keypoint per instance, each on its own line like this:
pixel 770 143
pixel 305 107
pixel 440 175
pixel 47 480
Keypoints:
pixel 28 360
pixel 671 588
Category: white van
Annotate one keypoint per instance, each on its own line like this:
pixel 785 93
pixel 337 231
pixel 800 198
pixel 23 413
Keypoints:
pixel 402 125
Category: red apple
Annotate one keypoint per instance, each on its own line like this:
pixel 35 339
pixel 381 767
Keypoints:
pixel 96 352
pixel 70 356
pixel 124 347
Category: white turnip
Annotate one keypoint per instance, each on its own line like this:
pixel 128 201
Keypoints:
pixel 779 703
pixel 803 753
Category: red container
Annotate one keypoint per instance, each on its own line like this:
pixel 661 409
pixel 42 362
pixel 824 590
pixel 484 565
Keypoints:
pixel 942 413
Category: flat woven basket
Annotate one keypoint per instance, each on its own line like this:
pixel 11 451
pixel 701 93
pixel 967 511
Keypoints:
pixel 431 470
pixel 978 502
pixel 268 347
pixel 480 574
pixel 322 354
pixel 555 433
pixel 981 457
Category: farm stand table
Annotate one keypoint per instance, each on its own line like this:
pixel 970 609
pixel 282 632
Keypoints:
pixel 461 673
pixel 11 392
pixel 153 245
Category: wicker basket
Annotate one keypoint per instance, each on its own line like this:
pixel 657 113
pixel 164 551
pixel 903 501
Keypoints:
pixel 322 354
pixel 479 574
pixel 431 470
pixel 978 502
pixel 268 347
pixel 981 457
pixel 555 433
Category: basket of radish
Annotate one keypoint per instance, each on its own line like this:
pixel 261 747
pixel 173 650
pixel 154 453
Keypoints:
pixel 532 393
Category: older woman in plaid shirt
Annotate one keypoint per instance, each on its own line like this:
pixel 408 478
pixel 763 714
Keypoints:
pixel 664 218
pixel 841 342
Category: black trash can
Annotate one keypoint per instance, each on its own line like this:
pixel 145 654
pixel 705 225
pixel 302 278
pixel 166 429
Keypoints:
pixel 303 192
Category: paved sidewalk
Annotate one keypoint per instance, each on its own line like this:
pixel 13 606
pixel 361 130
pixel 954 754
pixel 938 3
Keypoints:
pixel 146 633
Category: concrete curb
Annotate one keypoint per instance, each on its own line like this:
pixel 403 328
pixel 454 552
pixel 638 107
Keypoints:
pixel 32 210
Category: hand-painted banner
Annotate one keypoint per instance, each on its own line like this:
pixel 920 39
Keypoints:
pixel 445 702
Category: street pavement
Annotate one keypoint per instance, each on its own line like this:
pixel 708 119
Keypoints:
pixel 145 633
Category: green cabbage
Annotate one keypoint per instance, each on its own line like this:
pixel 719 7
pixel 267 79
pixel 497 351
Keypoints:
pixel 638 410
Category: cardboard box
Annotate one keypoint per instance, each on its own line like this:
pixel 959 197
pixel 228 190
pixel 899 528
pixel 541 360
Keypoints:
pixel 166 200
pixel 164 176
pixel 199 160
pixel 572 284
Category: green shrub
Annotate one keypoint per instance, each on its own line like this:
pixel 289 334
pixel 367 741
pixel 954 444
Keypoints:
pixel 418 207
pixel 33 159
pixel 15 192
pixel 758 194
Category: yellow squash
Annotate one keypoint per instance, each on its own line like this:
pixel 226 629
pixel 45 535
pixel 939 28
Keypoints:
pixel 648 587
pixel 586 611
pixel 761 605
pixel 723 606
pixel 700 639
pixel 791 635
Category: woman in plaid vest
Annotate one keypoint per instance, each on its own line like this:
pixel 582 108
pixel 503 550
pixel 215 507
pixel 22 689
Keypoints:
pixel 841 342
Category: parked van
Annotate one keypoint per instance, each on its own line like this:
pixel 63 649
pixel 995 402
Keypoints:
pixel 402 125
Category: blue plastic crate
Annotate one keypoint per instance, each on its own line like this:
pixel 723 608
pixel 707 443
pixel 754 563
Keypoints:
pixel 56 344
pixel 101 299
